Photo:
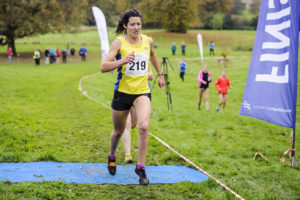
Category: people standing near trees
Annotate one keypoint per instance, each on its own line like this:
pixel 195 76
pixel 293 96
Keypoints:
pixel 9 54
pixel 37 56
pixel 173 48
pixel 57 55
pixel 82 53
pixel 183 46
pixel 64 56
pixel 204 78
pixel 72 53
pixel 132 51
pixel 221 84
pixel 211 48
pixel 182 68
pixel 52 56
pixel 47 55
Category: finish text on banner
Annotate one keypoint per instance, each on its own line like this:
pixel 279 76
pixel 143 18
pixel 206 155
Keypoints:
pixel 271 89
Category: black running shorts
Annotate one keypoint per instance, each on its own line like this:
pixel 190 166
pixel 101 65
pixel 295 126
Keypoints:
pixel 123 101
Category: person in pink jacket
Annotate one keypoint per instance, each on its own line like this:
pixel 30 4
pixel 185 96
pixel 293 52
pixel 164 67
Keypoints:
pixel 57 55
pixel 204 78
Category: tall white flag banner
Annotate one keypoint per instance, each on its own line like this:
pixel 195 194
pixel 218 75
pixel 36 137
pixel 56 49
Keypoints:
pixel 271 88
pixel 102 30
pixel 200 43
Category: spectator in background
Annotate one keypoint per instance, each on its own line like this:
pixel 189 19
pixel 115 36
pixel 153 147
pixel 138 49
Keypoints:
pixel 211 48
pixel 9 54
pixel 37 56
pixel 57 55
pixel 47 55
pixel 72 53
pixel 52 56
pixel 173 48
pixel 54 50
pixel 183 46
pixel 182 67
pixel 64 56
pixel 82 53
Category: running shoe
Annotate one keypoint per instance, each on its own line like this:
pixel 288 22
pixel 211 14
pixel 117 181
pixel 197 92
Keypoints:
pixel 111 166
pixel 217 109
pixel 142 174
pixel 128 158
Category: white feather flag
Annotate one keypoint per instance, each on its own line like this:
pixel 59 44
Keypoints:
pixel 200 43
pixel 102 30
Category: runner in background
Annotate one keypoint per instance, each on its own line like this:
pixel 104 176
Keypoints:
pixel 221 84
pixel 204 78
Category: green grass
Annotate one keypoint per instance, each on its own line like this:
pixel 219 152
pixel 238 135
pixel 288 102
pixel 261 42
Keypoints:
pixel 44 117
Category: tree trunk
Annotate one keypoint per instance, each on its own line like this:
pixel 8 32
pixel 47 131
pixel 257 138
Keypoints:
pixel 11 43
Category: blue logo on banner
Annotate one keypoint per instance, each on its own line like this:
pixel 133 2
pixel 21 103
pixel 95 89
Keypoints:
pixel 271 88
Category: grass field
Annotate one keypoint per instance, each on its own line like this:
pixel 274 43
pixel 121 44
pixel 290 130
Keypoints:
pixel 43 117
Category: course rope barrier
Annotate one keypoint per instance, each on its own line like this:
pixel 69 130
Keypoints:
pixel 288 151
pixel 85 93
pixel 258 153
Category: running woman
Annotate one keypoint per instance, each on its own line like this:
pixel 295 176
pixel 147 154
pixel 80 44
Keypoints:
pixel 204 78
pixel 221 85
pixel 131 53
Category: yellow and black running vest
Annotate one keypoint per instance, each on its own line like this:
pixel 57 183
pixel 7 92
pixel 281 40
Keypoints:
pixel 133 77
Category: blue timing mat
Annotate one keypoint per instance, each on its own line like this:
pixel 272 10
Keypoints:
pixel 95 173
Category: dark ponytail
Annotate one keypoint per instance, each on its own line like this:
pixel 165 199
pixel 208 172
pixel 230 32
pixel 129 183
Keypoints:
pixel 124 18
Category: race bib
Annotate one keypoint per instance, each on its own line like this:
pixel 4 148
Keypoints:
pixel 139 67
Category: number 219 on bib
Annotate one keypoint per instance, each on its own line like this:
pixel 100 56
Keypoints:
pixel 139 67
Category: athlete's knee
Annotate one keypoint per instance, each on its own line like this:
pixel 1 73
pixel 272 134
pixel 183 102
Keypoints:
pixel 119 132
pixel 144 128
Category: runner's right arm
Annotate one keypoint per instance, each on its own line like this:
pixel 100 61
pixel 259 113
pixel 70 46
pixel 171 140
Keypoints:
pixel 109 63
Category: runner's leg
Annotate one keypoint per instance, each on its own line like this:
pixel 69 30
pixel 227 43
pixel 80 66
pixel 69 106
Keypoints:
pixel 126 137
pixel 142 107
pixel 224 101
pixel 119 120
pixel 200 98
pixel 207 98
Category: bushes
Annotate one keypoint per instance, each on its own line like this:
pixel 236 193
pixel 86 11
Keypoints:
pixel 229 22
